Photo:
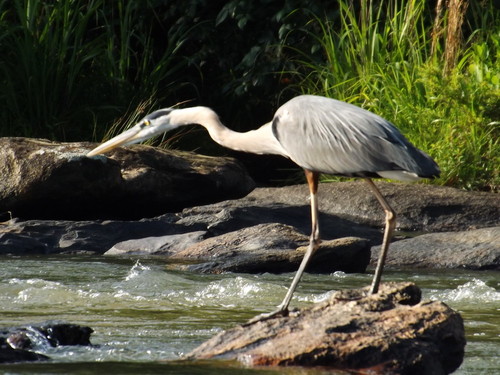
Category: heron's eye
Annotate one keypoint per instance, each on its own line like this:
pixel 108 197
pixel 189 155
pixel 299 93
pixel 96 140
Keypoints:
pixel 145 123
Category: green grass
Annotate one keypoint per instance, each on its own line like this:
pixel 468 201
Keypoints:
pixel 381 61
pixel 69 68
pixel 44 59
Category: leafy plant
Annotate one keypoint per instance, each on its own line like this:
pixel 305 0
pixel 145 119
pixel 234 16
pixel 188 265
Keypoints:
pixel 380 59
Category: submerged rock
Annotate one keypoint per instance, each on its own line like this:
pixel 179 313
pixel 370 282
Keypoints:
pixel 42 179
pixel 391 332
pixel 20 344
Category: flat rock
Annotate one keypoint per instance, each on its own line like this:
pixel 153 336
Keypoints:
pixel 162 245
pixel 273 248
pixel 350 209
pixel 234 228
pixel 475 249
pixel 31 237
pixel 390 332
pixel 42 179
pixel 419 207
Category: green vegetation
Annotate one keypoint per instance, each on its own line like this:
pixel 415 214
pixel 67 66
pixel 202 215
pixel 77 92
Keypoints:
pixel 82 70
pixel 68 67
pixel 382 58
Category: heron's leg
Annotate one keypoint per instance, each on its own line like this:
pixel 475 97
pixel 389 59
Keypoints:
pixel 314 240
pixel 390 225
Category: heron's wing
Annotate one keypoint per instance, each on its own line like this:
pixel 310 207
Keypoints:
pixel 335 137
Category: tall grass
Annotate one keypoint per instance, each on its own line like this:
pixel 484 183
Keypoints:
pixel 69 67
pixel 44 57
pixel 380 59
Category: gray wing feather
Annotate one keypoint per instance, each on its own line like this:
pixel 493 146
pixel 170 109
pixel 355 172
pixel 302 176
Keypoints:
pixel 330 136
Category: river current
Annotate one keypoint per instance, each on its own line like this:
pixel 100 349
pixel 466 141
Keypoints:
pixel 147 313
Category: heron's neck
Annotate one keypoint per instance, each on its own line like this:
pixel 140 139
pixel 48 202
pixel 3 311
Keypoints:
pixel 259 141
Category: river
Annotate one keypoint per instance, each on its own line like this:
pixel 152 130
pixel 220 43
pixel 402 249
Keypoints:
pixel 146 313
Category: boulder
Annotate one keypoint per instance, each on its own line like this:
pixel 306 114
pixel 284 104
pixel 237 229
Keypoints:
pixel 42 179
pixel 350 209
pixel 475 249
pixel 278 219
pixel 273 248
pixel 389 332
pixel 167 245
pixel 30 237
pixel 21 344
pixel 419 207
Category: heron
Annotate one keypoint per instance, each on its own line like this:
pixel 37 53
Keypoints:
pixel 319 134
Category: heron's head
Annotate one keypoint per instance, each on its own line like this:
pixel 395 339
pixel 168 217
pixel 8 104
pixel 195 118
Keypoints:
pixel 153 124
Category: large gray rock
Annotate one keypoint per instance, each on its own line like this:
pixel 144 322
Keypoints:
pixel 272 219
pixel 389 332
pixel 419 207
pixel 273 248
pixel 49 180
pixel 350 209
pixel 475 249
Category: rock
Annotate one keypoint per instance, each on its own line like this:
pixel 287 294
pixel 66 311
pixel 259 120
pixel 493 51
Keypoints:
pixel 419 207
pixel 233 225
pixel 76 237
pixel 475 249
pixel 20 344
pixel 228 216
pixel 273 248
pixel 163 245
pixel 11 355
pixel 350 209
pixel 390 332
pixel 49 180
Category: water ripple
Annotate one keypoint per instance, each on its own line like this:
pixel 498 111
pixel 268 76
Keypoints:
pixel 475 291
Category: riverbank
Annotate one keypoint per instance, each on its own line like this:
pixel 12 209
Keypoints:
pixel 437 227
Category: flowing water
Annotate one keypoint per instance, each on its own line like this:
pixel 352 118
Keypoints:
pixel 146 314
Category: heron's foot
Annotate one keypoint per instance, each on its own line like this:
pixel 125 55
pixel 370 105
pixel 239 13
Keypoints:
pixel 266 316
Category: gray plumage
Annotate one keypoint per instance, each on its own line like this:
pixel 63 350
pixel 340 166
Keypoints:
pixel 334 137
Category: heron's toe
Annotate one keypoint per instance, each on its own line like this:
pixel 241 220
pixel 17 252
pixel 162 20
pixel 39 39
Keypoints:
pixel 267 316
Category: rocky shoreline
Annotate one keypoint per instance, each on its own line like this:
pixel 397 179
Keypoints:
pixel 437 228
pixel 144 202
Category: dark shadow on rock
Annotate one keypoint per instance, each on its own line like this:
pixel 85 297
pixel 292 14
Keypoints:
pixel 84 237
pixel 219 220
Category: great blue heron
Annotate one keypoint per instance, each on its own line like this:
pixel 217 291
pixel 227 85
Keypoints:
pixel 321 135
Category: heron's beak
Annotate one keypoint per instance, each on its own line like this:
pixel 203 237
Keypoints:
pixel 132 135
